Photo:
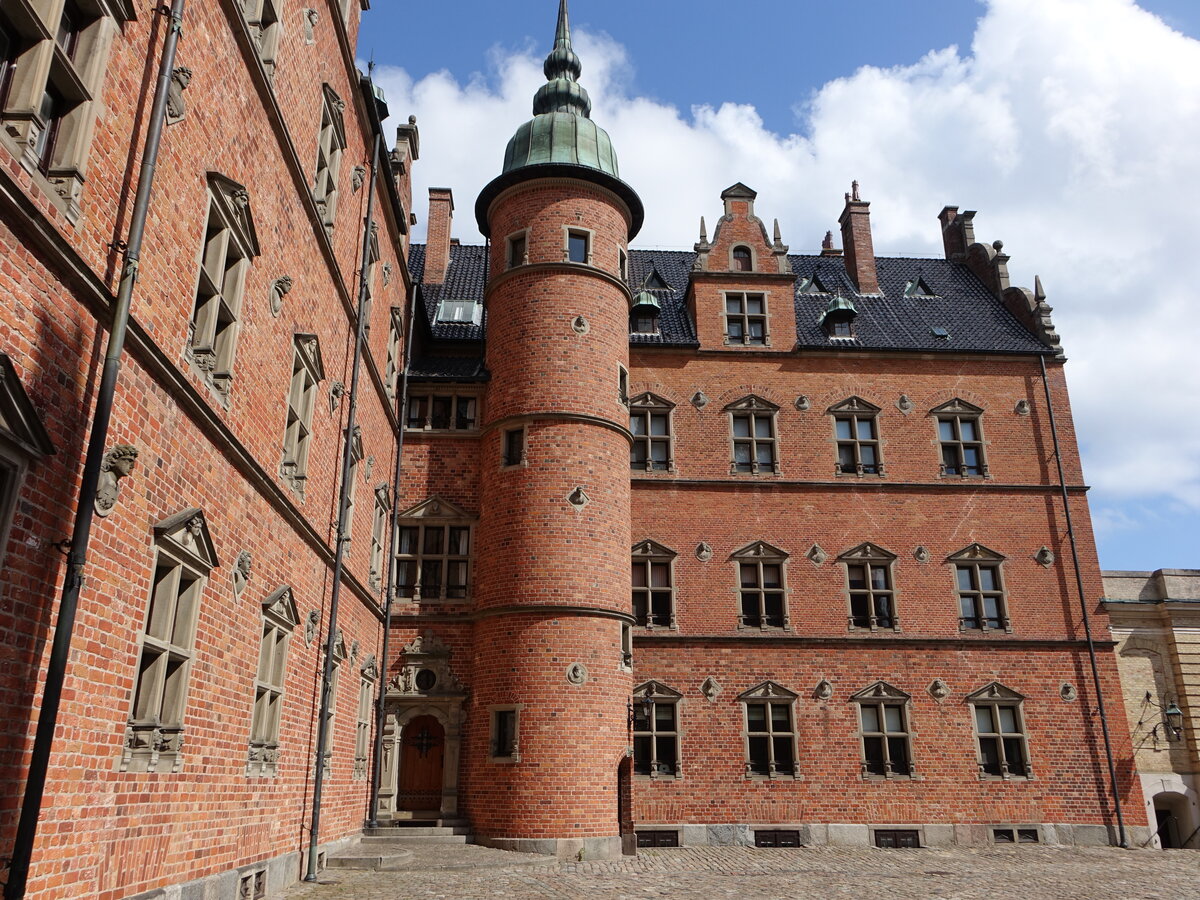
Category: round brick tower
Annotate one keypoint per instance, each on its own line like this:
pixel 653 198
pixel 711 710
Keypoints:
pixel 548 728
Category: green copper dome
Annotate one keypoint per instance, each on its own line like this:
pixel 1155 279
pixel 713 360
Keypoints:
pixel 561 140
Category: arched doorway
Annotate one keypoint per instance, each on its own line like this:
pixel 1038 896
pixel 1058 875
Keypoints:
pixel 422 763
pixel 1171 820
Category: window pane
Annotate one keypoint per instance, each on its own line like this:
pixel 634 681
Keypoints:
pixel 666 755
pixel 898 754
pixel 433 539
pixel 893 717
pixel 991 609
pixel 873 754
pixel 733 305
pixel 406 575
pixel 578 248
pixel 964 578
pixel 950 458
pixel 741 454
pixel 772 576
pixel 760 760
pixel 664 716
pixel 639 574
pixel 846 457
pixel 783 753
pixel 1015 756
pixel 456 579
pixel 754 305
pixel 658 425
pixel 967 429
pixel 735 330
pixel 756 716
pixel 659 575
pixel 867 453
pixel 971 460
pixel 749 574
pixel 842 428
pixel 866 429
pixel 741 426
pixel 870 718
pixel 983 720
pixel 989 752
pixel 1008 719
pixel 440 416
pixel 946 429
pixel 765 456
pixel 762 426
pixel 658 453
pixel 460 541
pixel 780 717
pixel 758 331
pixel 858 577
pixel 466 413
pixel 642 754
pixel 987 578
pixel 431 579
pixel 878 578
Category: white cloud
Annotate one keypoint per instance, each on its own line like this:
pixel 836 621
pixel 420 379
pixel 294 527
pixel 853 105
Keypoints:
pixel 1071 125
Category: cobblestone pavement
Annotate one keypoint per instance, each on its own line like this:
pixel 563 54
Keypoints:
pixel 1024 873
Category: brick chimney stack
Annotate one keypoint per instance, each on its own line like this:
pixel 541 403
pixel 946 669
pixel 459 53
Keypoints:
pixel 437 243
pixel 856 242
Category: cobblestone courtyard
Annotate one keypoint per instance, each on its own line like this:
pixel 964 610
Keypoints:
pixel 475 873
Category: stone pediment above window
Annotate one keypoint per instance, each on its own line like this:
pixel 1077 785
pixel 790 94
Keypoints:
pixel 383 494
pixel 995 693
pixel 436 508
pixel 975 553
pixel 653 550
pixel 335 105
pixel 186 534
pixel 867 552
pixel 752 403
pixel 339 647
pixel 308 346
pixel 233 201
pixel 651 401
pixel 656 690
pixel 768 690
pixel 19 421
pixel 426 671
pixel 854 404
pixel 279 607
pixel 759 550
pixel 880 691
pixel 957 406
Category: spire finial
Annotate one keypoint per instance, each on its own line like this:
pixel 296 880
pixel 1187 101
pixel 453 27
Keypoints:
pixel 562 93
pixel 703 231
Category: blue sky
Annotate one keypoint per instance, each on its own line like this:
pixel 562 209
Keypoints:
pixel 1069 124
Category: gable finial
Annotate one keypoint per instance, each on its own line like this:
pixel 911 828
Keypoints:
pixel 778 233
pixel 703 231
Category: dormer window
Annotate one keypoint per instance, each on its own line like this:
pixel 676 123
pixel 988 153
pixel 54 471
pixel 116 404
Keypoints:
pixel 464 312
pixel 841 329
pixel 838 319
pixel 743 261
pixel 643 317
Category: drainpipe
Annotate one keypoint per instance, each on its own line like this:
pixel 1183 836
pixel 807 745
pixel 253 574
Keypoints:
pixel 343 539
pixel 401 412
pixel 1123 838
pixel 56 670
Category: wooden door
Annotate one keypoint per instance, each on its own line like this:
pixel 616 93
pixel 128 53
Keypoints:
pixel 422 756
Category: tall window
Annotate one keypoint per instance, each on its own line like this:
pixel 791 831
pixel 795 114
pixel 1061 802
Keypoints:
pixel 653 593
pixel 883 716
pixel 656 730
pixel 395 352
pixel 650 424
pixel 263 18
pixel 442 412
pixel 856 431
pixel 279 619
pixel 307 371
pixel 752 429
pixel 770 731
pixel 743 261
pixel 512 451
pixel 379 530
pixel 433 557
pixel 339 655
pixel 517 249
pixel 746 319
pixel 981 598
pixel 331 143
pixel 183 558
pixel 51 74
pixel 869 580
pixel 961 439
pixel 761 590
pixel 357 454
pixel 579 246
pixel 504 740
pixel 1000 732
pixel 229 245
pixel 23 440
pixel 362 724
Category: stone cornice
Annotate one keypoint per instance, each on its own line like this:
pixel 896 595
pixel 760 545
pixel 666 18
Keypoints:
pixel 854 483
pixel 562 417
pixel 883 641
pixel 569 268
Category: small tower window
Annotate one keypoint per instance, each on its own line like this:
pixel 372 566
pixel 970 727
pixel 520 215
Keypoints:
pixel 578 249
pixel 516 250
pixel 742 260
pixel 514 447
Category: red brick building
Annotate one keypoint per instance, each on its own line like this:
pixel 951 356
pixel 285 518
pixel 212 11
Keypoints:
pixel 853 614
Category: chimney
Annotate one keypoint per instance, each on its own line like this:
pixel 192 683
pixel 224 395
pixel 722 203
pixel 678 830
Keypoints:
pixel 437 243
pixel 827 248
pixel 958 232
pixel 856 242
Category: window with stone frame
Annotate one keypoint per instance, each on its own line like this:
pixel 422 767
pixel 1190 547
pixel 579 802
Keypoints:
pixel 331 144
pixel 433 553
pixel 339 656
pixel 743 259
pixel 770 731
pixel 505 733
pixel 362 723
pixel 513 448
pixel 279 621
pixel 263 18
pixel 368 302
pixel 1000 732
pixel 183 558
pixel 653 585
pixel 356 457
pixel 746 319
pixel 379 532
pixel 395 352
pixel 517 249
pixel 752 436
pixel 230 243
pixel 883 720
pixel 762 589
pixel 308 371
pixel 23 442
pixel 650 424
pixel 960 434
pixel 430 409
pixel 856 432
pixel 979 582
pixel 871 595
pixel 578 247
pixel 53 57
pixel 656 750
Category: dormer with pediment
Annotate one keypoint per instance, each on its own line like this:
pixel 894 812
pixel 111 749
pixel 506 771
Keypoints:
pixel 742 271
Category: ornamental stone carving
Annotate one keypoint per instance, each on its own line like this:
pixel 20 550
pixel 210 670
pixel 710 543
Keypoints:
pixel 357 176
pixel 823 690
pixel 921 554
pixel 710 688
pixel 181 77
pixel 580 325
pixel 704 552
pixel 699 400
pixel 241 572
pixel 904 404
pixel 310 627
pixel 816 554
pixel 939 690
pixel 337 390
pixel 578 498
pixel 577 674
pixel 803 403
pixel 1045 557
pixel 1022 408
pixel 311 17
pixel 118 463
pixel 279 289
pixel 1067 692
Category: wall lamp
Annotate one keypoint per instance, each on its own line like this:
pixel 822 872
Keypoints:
pixel 1172 718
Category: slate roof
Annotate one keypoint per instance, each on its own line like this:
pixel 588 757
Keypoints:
pixel 448 368
pixel 974 320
